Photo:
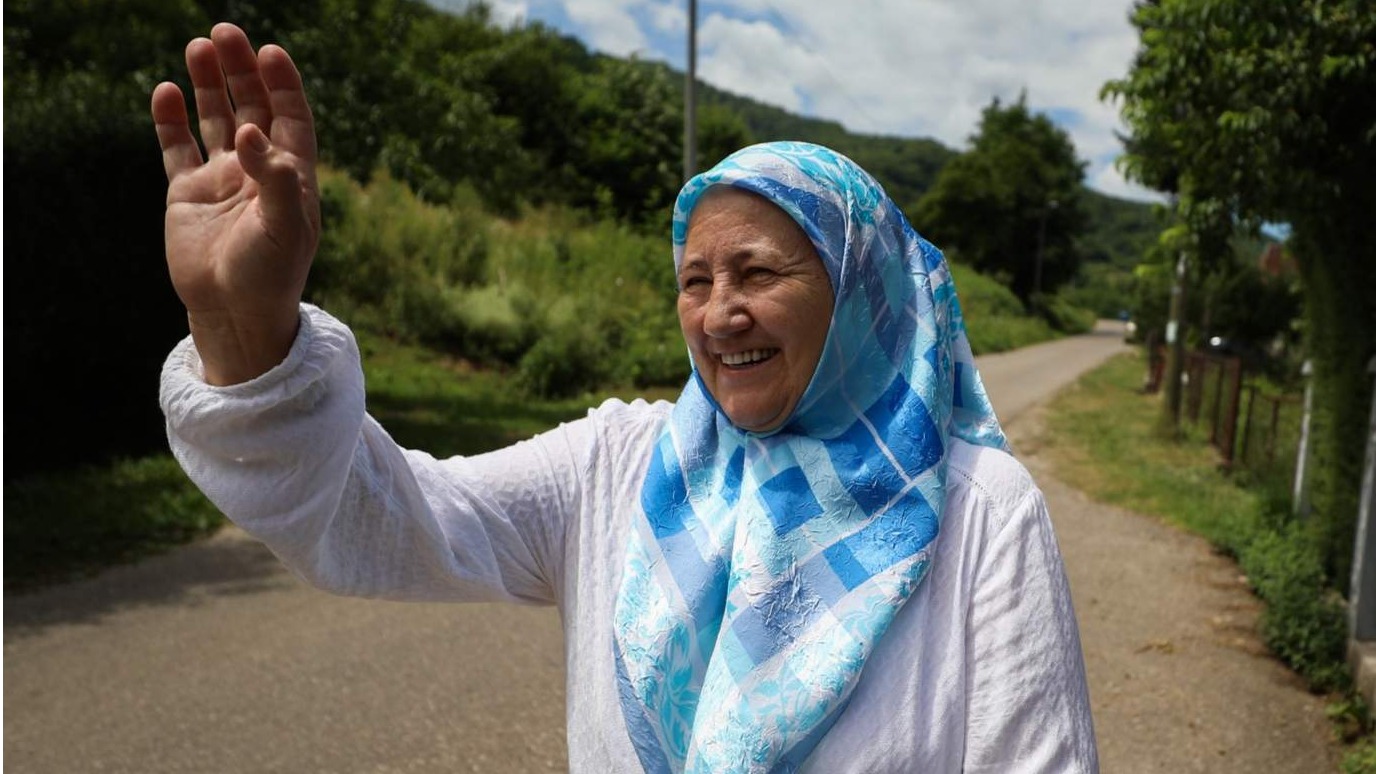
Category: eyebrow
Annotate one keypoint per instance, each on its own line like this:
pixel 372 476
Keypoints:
pixel 693 264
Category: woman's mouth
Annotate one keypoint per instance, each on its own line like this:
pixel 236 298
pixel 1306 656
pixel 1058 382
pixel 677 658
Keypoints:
pixel 747 358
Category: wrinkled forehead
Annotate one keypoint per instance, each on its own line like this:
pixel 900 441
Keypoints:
pixel 818 188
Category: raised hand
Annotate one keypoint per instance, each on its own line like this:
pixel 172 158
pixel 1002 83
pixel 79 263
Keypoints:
pixel 243 220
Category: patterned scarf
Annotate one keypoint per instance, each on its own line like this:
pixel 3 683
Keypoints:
pixel 766 566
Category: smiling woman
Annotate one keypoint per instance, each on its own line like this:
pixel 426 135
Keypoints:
pixel 820 558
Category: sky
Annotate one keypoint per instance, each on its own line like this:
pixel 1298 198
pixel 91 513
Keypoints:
pixel 911 68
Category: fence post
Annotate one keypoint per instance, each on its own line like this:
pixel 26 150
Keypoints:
pixel 1362 607
pixel 1300 498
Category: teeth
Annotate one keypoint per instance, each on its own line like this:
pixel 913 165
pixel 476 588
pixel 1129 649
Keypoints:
pixel 747 357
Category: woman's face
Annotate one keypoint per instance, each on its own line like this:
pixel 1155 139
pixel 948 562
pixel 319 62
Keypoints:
pixel 755 306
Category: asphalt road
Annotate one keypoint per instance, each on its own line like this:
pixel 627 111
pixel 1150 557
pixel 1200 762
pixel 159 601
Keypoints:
pixel 215 659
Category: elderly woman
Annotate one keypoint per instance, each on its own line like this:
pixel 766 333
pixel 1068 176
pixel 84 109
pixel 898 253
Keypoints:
pixel 820 558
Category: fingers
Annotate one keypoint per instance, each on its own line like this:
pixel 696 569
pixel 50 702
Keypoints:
pixel 293 128
pixel 240 67
pixel 267 93
pixel 213 109
pixel 180 152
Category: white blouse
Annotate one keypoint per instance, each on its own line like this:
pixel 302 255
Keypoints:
pixel 981 671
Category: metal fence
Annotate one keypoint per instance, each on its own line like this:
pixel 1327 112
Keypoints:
pixel 1251 427
pixel 1270 431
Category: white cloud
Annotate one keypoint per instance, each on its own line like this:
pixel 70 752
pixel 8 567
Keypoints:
pixel 608 25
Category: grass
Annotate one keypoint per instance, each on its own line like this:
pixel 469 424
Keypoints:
pixel 1104 440
pixel 70 524
pixel 429 401
pixel 60 526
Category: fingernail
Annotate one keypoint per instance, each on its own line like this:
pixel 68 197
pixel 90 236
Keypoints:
pixel 259 141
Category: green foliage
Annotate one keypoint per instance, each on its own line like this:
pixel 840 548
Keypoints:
pixel 1011 205
pixel 1251 111
pixel 1064 316
pixel 570 304
pixel 1305 621
pixel 994 318
pixel 571 359
pixel 1362 760
pixel 59 526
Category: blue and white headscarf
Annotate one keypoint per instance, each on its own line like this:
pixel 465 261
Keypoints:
pixel 766 566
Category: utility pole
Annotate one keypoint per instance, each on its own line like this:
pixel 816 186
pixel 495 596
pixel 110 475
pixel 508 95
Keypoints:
pixel 690 97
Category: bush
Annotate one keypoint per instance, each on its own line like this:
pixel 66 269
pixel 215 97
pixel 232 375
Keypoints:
pixel 91 312
pixel 495 325
pixel 1304 622
pixel 995 320
pixel 1063 316
pixel 569 360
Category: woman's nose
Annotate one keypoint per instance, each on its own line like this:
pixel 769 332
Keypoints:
pixel 726 313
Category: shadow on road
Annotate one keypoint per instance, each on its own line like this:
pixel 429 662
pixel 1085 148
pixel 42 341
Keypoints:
pixel 228 564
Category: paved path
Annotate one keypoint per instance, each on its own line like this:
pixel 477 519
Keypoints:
pixel 214 659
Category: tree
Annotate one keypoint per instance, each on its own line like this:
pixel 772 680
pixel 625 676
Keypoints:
pixel 1262 111
pixel 1011 205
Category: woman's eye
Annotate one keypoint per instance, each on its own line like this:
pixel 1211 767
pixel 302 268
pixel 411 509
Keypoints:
pixel 690 282
pixel 759 272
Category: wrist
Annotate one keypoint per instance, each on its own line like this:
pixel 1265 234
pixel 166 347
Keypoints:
pixel 236 348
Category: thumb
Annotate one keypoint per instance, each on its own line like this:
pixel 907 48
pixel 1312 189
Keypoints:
pixel 268 166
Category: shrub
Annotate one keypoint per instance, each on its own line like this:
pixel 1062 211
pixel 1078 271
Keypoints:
pixel 1063 316
pixel 495 325
pixel 1304 621
pixel 570 359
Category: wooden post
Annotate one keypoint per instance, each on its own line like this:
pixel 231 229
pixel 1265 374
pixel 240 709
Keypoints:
pixel 1362 606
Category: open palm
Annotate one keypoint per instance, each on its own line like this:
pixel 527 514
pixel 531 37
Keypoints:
pixel 243 220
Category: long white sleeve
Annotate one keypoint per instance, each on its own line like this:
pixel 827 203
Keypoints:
pixel 293 459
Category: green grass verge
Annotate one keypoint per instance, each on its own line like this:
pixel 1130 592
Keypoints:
pixel 68 524
pixel 995 320
pixel 1104 441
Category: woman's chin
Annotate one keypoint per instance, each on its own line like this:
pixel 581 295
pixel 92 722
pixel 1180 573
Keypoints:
pixel 756 419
